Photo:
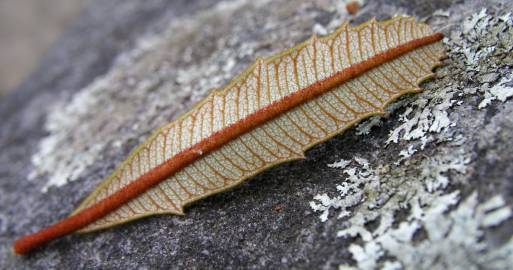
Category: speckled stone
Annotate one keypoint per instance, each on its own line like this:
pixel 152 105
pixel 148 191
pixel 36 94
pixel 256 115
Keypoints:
pixel 143 63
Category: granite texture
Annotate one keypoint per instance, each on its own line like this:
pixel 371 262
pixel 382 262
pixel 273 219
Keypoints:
pixel 126 67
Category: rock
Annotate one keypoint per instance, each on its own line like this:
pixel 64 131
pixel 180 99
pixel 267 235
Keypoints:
pixel 490 77
pixel 434 180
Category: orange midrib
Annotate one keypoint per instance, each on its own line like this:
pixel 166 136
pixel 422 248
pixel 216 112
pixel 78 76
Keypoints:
pixel 215 141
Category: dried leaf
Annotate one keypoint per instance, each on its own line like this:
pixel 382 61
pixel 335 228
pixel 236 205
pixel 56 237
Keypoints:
pixel 274 111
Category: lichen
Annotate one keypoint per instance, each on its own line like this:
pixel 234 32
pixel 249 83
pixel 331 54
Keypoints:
pixel 422 182
pixel 452 237
pixel 376 195
pixel 365 127
pixel 442 225
pixel 350 191
pixel 501 91
pixel 430 116
pixel 138 94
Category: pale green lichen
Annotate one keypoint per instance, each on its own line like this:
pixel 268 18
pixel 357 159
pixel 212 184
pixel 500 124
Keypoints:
pixel 430 116
pixel 501 91
pixel 444 225
pixel 365 127
pixel 350 191
pixel 138 94
pixel 452 237
pixel 431 211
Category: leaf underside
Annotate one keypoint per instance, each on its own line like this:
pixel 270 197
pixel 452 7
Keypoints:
pixel 285 137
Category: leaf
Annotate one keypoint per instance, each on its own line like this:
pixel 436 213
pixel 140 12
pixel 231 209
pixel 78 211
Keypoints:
pixel 270 114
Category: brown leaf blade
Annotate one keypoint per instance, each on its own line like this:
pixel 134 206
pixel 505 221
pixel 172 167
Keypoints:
pixel 270 114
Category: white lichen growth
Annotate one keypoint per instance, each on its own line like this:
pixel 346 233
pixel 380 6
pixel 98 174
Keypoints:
pixel 341 164
pixel 478 27
pixel 349 193
pixel 482 36
pixel 450 233
pixel 319 29
pixel 434 171
pixel 54 150
pixel 429 116
pixel 365 127
pixel 405 154
pixel 501 91
pixel 452 237
pixel 441 13
pixel 441 227
pixel 138 94
pixel 471 23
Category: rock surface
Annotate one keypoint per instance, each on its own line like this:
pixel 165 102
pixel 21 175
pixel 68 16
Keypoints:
pixel 428 187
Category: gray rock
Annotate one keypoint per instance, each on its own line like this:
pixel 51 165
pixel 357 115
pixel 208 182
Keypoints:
pixel 433 177
pixel 487 78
